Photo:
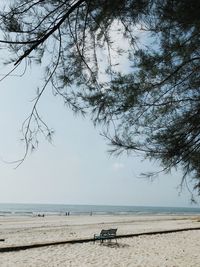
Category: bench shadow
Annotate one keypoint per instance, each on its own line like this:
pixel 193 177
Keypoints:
pixel 114 245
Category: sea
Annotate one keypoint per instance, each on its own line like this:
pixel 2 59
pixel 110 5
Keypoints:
pixel 7 209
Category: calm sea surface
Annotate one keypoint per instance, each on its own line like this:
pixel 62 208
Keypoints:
pixel 61 209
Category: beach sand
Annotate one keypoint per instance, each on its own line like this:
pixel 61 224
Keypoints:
pixel 172 249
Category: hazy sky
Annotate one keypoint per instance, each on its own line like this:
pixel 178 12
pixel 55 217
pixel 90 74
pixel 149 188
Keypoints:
pixel 76 168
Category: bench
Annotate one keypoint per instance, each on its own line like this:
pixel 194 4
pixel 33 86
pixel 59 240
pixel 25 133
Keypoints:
pixel 106 235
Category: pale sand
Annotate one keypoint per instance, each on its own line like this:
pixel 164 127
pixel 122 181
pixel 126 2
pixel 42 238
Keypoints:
pixel 172 250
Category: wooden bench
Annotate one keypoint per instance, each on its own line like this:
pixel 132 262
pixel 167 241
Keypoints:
pixel 106 235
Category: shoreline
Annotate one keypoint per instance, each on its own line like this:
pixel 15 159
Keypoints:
pixel 7 209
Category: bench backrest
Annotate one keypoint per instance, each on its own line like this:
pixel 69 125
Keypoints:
pixel 112 232
pixel 104 232
pixel 109 232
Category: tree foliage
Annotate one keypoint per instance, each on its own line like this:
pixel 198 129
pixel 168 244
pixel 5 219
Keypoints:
pixel 154 106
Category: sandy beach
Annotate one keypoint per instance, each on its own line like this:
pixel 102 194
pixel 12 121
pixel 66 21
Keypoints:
pixel 172 249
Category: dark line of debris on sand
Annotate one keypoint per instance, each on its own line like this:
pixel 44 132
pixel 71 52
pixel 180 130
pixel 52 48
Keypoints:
pixel 86 240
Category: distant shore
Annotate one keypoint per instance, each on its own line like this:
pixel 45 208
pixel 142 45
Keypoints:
pixel 173 249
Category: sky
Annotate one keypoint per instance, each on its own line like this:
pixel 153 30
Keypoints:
pixel 76 168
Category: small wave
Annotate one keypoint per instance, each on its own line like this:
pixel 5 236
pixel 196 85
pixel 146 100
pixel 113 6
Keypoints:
pixel 5 212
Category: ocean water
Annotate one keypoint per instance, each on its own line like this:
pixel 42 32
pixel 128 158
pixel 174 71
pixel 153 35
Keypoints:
pixel 7 209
